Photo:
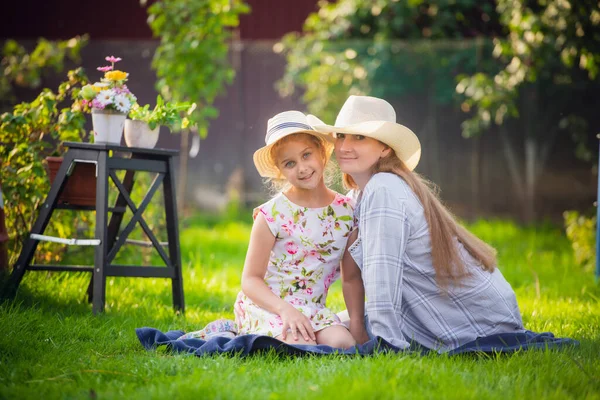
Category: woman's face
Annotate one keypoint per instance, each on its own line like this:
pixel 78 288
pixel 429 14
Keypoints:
pixel 357 154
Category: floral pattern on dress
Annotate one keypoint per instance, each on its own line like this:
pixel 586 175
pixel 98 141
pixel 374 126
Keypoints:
pixel 304 262
pixel 219 328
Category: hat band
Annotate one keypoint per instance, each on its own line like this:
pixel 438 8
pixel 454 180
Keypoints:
pixel 289 125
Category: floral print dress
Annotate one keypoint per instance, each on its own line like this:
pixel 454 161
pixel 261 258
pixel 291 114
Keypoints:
pixel 303 264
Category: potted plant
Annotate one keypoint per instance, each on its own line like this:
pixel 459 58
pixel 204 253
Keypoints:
pixel 110 101
pixel 143 128
pixel 81 186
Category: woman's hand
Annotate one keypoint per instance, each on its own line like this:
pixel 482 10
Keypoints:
pixel 359 332
pixel 296 322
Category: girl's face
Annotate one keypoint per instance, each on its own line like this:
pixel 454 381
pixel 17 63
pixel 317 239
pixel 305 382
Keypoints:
pixel 301 162
pixel 357 155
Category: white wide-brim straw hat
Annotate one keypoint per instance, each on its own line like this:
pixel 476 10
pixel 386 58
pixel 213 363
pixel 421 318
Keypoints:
pixel 282 125
pixel 375 118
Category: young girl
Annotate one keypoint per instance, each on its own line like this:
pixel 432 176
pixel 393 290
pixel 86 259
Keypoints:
pixel 426 278
pixel 297 241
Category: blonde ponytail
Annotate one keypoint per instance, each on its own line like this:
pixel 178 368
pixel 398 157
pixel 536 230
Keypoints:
pixel 443 227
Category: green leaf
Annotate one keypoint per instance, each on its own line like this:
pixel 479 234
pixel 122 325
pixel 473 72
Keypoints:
pixel 192 61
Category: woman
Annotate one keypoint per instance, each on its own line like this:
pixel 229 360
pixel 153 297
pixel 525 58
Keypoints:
pixel 426 278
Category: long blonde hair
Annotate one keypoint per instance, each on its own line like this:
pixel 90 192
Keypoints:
pixel 279 183
pixel 443 227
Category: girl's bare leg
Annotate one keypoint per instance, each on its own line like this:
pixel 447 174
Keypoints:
pixel 290 340
pixel 335 336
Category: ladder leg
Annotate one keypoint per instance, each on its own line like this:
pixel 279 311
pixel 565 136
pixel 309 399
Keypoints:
pixel 173 236
pixel 99 274
pixel 10 289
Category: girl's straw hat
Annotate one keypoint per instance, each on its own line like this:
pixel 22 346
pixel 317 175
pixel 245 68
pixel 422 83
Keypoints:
pixel 376 118
pixel 280 126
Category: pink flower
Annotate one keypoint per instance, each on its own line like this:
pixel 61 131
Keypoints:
pixel 291 247
pixel 105 69
pixel 267 216
pixel 296 301
pixel 289 227
pixel 329 279
pixel 340 201
pixel 97 104
pixel 312 253
pixel 309 291
pixel 113 59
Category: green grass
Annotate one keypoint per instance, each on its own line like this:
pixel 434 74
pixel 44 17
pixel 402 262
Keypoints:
pixel 51 346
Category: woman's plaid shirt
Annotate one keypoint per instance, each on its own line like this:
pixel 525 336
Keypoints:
pixel 404 302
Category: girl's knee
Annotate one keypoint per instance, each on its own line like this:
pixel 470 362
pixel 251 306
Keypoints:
pixel 341 342
pixel 336 336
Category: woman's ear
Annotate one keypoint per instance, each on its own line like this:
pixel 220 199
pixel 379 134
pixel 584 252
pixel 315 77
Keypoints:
pixel 385 152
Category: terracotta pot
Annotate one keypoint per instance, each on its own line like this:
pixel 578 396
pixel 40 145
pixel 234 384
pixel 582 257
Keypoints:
pixel 80 189
pixel 108 126
pixel 139 134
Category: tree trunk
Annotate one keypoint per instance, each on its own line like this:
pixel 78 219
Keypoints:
pixel 512 163
pixel 531 164
pixel 434 157
pixel 539 139
pixel 475 176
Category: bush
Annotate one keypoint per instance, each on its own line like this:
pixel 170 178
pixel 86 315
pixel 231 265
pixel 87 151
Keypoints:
pixel 27 135
pixel 581 231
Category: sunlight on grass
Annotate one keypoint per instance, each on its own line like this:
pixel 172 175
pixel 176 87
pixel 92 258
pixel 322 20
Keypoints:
pixel 51 343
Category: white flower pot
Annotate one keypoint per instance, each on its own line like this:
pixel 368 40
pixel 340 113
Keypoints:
pixel 108 126
pixel 139 134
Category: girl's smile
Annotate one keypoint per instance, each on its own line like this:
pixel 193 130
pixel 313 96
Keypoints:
pixel 300 162
pixel 307 177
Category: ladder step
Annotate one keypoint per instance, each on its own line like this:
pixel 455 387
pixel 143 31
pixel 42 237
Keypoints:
pixel 143 243
pixel 65 206
pixel 61 268
pixel 73 242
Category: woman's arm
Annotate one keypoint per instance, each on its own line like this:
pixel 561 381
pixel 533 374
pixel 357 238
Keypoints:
pixel 385 232
pixel 254 286
pixel 354 293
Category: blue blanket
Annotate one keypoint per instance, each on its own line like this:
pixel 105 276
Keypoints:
pixel 249 344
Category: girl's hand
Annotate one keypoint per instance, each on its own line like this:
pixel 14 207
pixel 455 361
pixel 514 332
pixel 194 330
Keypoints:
pixel 359 332
pixel 296 322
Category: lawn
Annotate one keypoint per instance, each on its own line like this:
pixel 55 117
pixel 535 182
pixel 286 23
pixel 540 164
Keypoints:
pixel 51 346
